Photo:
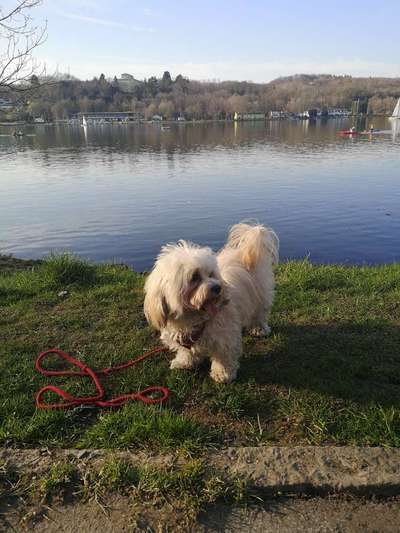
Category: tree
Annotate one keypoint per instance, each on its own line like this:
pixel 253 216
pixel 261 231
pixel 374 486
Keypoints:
pixel 138 91
pixel 151 110
pixel 166 109
pixel 34 81
pixel 60 110
pixel 166 82
pixel 238 104
pixel 39 109
pixel 19 37
pixel 181 84
pixel 202 100
pixel 152 86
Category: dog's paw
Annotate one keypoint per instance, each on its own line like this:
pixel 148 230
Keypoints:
pixel 178 364
pixel 261 331
pixel 183 361
pixel 221 374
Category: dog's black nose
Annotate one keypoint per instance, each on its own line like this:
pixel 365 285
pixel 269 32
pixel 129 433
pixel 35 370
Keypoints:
pixel 216 289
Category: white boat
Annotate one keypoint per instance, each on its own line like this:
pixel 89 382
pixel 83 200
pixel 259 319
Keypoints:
pixel 395 129
pixel 396 110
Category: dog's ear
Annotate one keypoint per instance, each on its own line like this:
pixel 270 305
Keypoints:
pixel 155 304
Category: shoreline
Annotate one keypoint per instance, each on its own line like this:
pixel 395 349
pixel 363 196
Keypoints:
pixel 199 121
pixel 10 263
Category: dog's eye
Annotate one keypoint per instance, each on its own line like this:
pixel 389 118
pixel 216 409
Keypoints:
pixel 195 277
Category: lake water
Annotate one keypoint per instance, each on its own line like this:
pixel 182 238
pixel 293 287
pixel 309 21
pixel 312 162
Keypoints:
pixel 119 192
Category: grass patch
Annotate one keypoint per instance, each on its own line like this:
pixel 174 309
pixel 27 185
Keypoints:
pixel 137 426
pixel 63 270
pixel 116 475
pixel 61 477
pixel 329 373
pixel 191 488
pixel 177 491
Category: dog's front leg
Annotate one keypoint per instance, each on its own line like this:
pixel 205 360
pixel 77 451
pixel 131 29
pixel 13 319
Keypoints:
pixel 184 359
pixel 225 364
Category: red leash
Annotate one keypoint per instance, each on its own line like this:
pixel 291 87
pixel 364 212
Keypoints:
pixel 98 400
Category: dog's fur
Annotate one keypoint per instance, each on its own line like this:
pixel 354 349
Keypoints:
pixel 218 295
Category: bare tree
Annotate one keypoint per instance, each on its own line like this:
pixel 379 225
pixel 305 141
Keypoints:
pixel 19 37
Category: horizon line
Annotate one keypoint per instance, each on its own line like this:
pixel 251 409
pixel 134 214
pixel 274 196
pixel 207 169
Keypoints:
pixel 231 80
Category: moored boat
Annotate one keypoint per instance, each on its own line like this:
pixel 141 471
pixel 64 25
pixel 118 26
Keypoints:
pixel 396 111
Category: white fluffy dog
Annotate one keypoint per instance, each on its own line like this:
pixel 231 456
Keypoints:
pixel 201 301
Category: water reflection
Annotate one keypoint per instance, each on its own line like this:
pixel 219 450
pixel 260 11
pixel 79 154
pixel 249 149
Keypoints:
pixel 121 191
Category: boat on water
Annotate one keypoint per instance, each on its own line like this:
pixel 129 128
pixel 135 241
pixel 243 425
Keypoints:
pixel 348 132
pixel 18 133
pixel 365 132
pixel 165 128
pixel 396 111
pixel 395 124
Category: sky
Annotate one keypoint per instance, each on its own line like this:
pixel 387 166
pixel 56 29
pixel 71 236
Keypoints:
pixel 256 40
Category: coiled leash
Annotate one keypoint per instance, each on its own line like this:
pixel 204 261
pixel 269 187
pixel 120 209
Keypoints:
pixel 98 400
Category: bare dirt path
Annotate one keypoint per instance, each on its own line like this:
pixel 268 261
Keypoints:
pixel 284 515
pixel 315 515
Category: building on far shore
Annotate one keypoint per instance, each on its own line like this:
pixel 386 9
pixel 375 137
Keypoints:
pixel 108 116
pixel 338 113
pixel 249 116
pixel 6 105
pixel 127 83
pixel 278 115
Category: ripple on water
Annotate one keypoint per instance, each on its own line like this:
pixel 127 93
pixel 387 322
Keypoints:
pixel 122 192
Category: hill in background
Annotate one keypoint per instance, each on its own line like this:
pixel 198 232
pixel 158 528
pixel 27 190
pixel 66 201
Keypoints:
pixel 192 99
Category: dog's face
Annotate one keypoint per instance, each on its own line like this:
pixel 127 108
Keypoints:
pixel 203 288
pixel 185 280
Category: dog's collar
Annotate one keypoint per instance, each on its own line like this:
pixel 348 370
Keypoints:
pixel 188 339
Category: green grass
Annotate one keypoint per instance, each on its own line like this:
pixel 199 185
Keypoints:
pixel 63 270
pixel 329 373
pixel 178 491
pixel 61 476
pixel 116 475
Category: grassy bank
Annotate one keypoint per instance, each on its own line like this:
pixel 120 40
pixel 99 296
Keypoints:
pixel 329 373
pixel 145 497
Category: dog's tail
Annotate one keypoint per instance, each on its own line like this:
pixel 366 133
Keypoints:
pixel 254 244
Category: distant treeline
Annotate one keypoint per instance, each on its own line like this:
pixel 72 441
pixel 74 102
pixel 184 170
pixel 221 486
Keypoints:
pixel 171 98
